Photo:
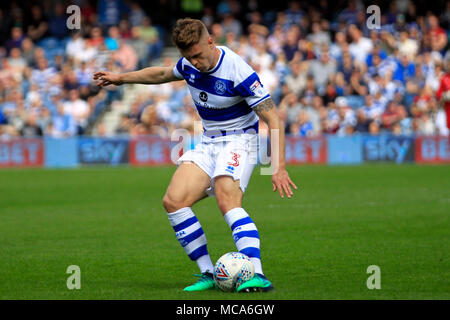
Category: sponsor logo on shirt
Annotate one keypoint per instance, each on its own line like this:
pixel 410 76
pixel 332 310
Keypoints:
pixel 203 96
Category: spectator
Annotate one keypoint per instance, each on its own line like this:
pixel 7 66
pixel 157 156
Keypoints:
pixel 374 128
pixel 28 50
pixel 110 12
pixel 262 58
pixel 291 44
pixel 218 34
pixel 346 117
pixel 16 39
pixel 437 35
pixel 393 114
pixel 291 107
pixel 38 24
pixel 443 92
pixel 315 111
pixel 257 26
pixel 191 120
pixel 112 40
pixel 124 125
pixel 350 14
pixel 42 74
pixel 57 23
pixel 75 45
pixel 150 34
pixel 137 15
pixel 405 70
pixel 139 46
pixel 305 50
pixel 407 46
pixel 230 24
pixel 294 13
pixel 231 41
pixel 322 69
pixel 124 29
pixel 296 81
pixel 360 46
pixel 275 40
pixel 336 46
pixel 17 63
pixel 126 56
pixel 78 109
pixel 90 51
pixel 318 37
pixel 63 124
pixel 208 17
pixel 96 39
pixel 31 127
pixel 303 126
pixel 83 74
pixel 369 113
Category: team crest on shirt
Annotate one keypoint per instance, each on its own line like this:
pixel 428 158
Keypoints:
pixel 220 87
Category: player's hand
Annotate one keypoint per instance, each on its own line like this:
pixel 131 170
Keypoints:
pixel 282 183
pixel 106 78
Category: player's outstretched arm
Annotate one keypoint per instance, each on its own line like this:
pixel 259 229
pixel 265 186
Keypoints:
pixel 150 75
pixel 267 111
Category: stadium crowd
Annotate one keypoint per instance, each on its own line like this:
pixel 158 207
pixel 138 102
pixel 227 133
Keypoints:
pixel 327 71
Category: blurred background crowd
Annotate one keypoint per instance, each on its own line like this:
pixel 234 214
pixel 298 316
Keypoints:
pixel 328 73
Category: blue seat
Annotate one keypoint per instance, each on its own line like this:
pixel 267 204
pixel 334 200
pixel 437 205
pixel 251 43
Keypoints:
pixel 48 43
pixel 355 101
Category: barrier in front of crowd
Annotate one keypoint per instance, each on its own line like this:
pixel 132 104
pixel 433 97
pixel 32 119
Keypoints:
pixel 152 150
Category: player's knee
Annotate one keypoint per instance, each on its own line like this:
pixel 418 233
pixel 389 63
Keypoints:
pixel 227 201
pixel 172 204
pixel 228 194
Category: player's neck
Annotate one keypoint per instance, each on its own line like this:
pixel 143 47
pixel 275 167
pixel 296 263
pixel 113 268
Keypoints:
pixel 216 59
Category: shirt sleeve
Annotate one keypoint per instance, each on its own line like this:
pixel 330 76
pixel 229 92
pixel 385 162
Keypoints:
pixel 178 69
pixel 248 85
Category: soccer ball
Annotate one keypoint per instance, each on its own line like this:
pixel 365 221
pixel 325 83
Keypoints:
pixel 232 269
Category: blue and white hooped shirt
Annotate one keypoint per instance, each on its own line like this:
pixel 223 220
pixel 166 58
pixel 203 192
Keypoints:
pixel 224 96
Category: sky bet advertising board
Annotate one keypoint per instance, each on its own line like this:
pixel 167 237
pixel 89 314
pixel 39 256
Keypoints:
pixel 389 148
pixel 112 151
pixel 21 153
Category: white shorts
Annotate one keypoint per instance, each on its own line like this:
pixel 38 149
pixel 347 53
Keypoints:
pixel 236 156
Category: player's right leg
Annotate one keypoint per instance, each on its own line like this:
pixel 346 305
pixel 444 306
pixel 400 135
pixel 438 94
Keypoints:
pixel 188 186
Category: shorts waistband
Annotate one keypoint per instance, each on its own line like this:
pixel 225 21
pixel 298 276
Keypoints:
pixel 220 133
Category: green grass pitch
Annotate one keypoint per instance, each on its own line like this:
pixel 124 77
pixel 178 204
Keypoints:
pixel 317 245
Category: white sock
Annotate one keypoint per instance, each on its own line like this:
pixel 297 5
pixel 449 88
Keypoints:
pixel 190 235
pixel 245 235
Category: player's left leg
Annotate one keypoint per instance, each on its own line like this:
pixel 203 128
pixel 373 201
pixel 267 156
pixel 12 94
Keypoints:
pixel 232 174
pixel 245 234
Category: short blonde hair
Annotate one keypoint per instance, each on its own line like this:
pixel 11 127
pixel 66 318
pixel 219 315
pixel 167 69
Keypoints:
pixel 188 32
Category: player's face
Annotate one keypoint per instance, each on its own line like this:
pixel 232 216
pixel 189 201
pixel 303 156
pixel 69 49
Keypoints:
pixel 202 54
